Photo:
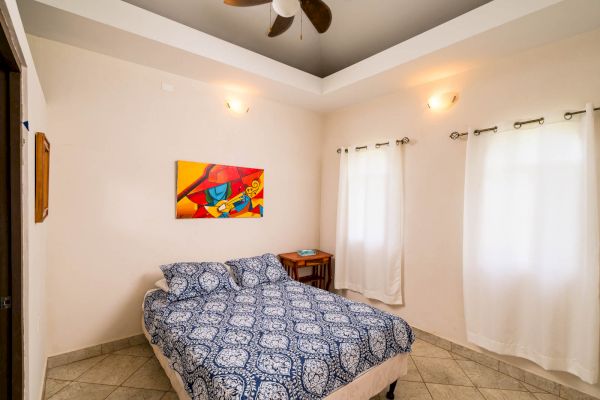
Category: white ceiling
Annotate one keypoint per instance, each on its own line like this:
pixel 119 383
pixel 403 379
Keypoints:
pixel 359 29
pixel 484 35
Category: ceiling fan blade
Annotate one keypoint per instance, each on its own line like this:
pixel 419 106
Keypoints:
pixel 280 25
pixel 318 13
pixel 245 3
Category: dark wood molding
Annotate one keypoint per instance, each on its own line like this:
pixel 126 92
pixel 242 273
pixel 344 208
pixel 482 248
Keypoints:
pixel 5 238
pixel 11 214
pixel 17 234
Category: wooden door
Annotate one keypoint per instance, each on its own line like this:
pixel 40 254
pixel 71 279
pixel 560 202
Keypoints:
pixel 11 283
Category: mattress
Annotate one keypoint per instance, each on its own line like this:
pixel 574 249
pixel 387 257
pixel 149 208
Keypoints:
pixel 278 341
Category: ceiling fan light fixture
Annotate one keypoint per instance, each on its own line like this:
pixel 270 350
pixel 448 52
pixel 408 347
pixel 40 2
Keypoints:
pixel 286 8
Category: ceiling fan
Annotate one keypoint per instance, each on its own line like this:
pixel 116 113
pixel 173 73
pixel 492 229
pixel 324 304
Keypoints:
pixel 317 12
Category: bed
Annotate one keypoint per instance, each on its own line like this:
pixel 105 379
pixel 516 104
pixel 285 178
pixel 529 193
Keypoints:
pixel 278 340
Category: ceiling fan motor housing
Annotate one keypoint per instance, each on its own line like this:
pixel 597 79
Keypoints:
pixel 286 8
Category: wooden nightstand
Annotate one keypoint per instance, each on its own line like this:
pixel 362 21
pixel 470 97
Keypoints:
pixel 320 275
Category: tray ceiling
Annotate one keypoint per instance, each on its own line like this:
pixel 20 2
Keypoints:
pixel 483 35
pixel 359 29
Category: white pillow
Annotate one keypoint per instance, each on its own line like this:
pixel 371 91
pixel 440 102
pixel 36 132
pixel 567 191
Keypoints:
pixel 162 284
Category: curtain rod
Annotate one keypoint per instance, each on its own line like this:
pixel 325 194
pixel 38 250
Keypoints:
pixel 404 140
pixel 569 114
pixel 517 125
pixel 477 132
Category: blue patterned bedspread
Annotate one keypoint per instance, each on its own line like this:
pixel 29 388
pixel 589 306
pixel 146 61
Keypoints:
pixel 275 342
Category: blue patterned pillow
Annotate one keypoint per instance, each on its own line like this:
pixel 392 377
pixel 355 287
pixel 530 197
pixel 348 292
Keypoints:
pixel 253 271
pixel 194 279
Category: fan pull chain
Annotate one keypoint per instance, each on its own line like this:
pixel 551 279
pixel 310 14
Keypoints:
pixel 301 19
pixel 270 18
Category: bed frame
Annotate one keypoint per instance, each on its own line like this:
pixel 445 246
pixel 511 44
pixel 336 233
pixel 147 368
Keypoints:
pixel 363 387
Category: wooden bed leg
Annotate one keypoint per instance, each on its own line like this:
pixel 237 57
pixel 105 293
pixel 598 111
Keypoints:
pixel 390 393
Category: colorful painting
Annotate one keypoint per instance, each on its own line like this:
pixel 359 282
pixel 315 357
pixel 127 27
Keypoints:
pixel 218 191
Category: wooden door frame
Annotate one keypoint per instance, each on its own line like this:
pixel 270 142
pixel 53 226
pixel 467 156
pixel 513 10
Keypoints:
pixel 18 364
pixel 9 57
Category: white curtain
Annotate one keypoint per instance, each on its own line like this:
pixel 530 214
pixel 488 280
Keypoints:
pixel 530 267
pixel 369 223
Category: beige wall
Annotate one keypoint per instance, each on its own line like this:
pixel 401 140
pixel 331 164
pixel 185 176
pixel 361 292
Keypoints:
pixel 36 254
pixel 115 138
pixel 34 235
pixel 542 82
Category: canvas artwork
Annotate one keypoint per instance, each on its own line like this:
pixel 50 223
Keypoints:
pixel 218 191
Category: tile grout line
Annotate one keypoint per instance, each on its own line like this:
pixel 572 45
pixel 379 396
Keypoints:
pixel 78 376
pixel 447 384
pixel 149 359
pixel 91 366
pixel 136 370
pixel 84 383
pixel 470 380
pixel 108 395
pixel 166 393
pixel 60 390
pixel 513 390
pixel 421 376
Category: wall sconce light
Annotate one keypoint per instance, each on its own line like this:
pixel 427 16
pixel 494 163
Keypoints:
pixel 237 106
pixel 442 101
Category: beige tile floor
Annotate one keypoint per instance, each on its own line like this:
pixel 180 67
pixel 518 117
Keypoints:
pixel 129 374
pixel 433 374
pixel 437 374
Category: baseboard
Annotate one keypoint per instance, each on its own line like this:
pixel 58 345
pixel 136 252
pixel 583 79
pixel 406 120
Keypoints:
pixel 45 373
pixel 545 384
pixel 93 351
